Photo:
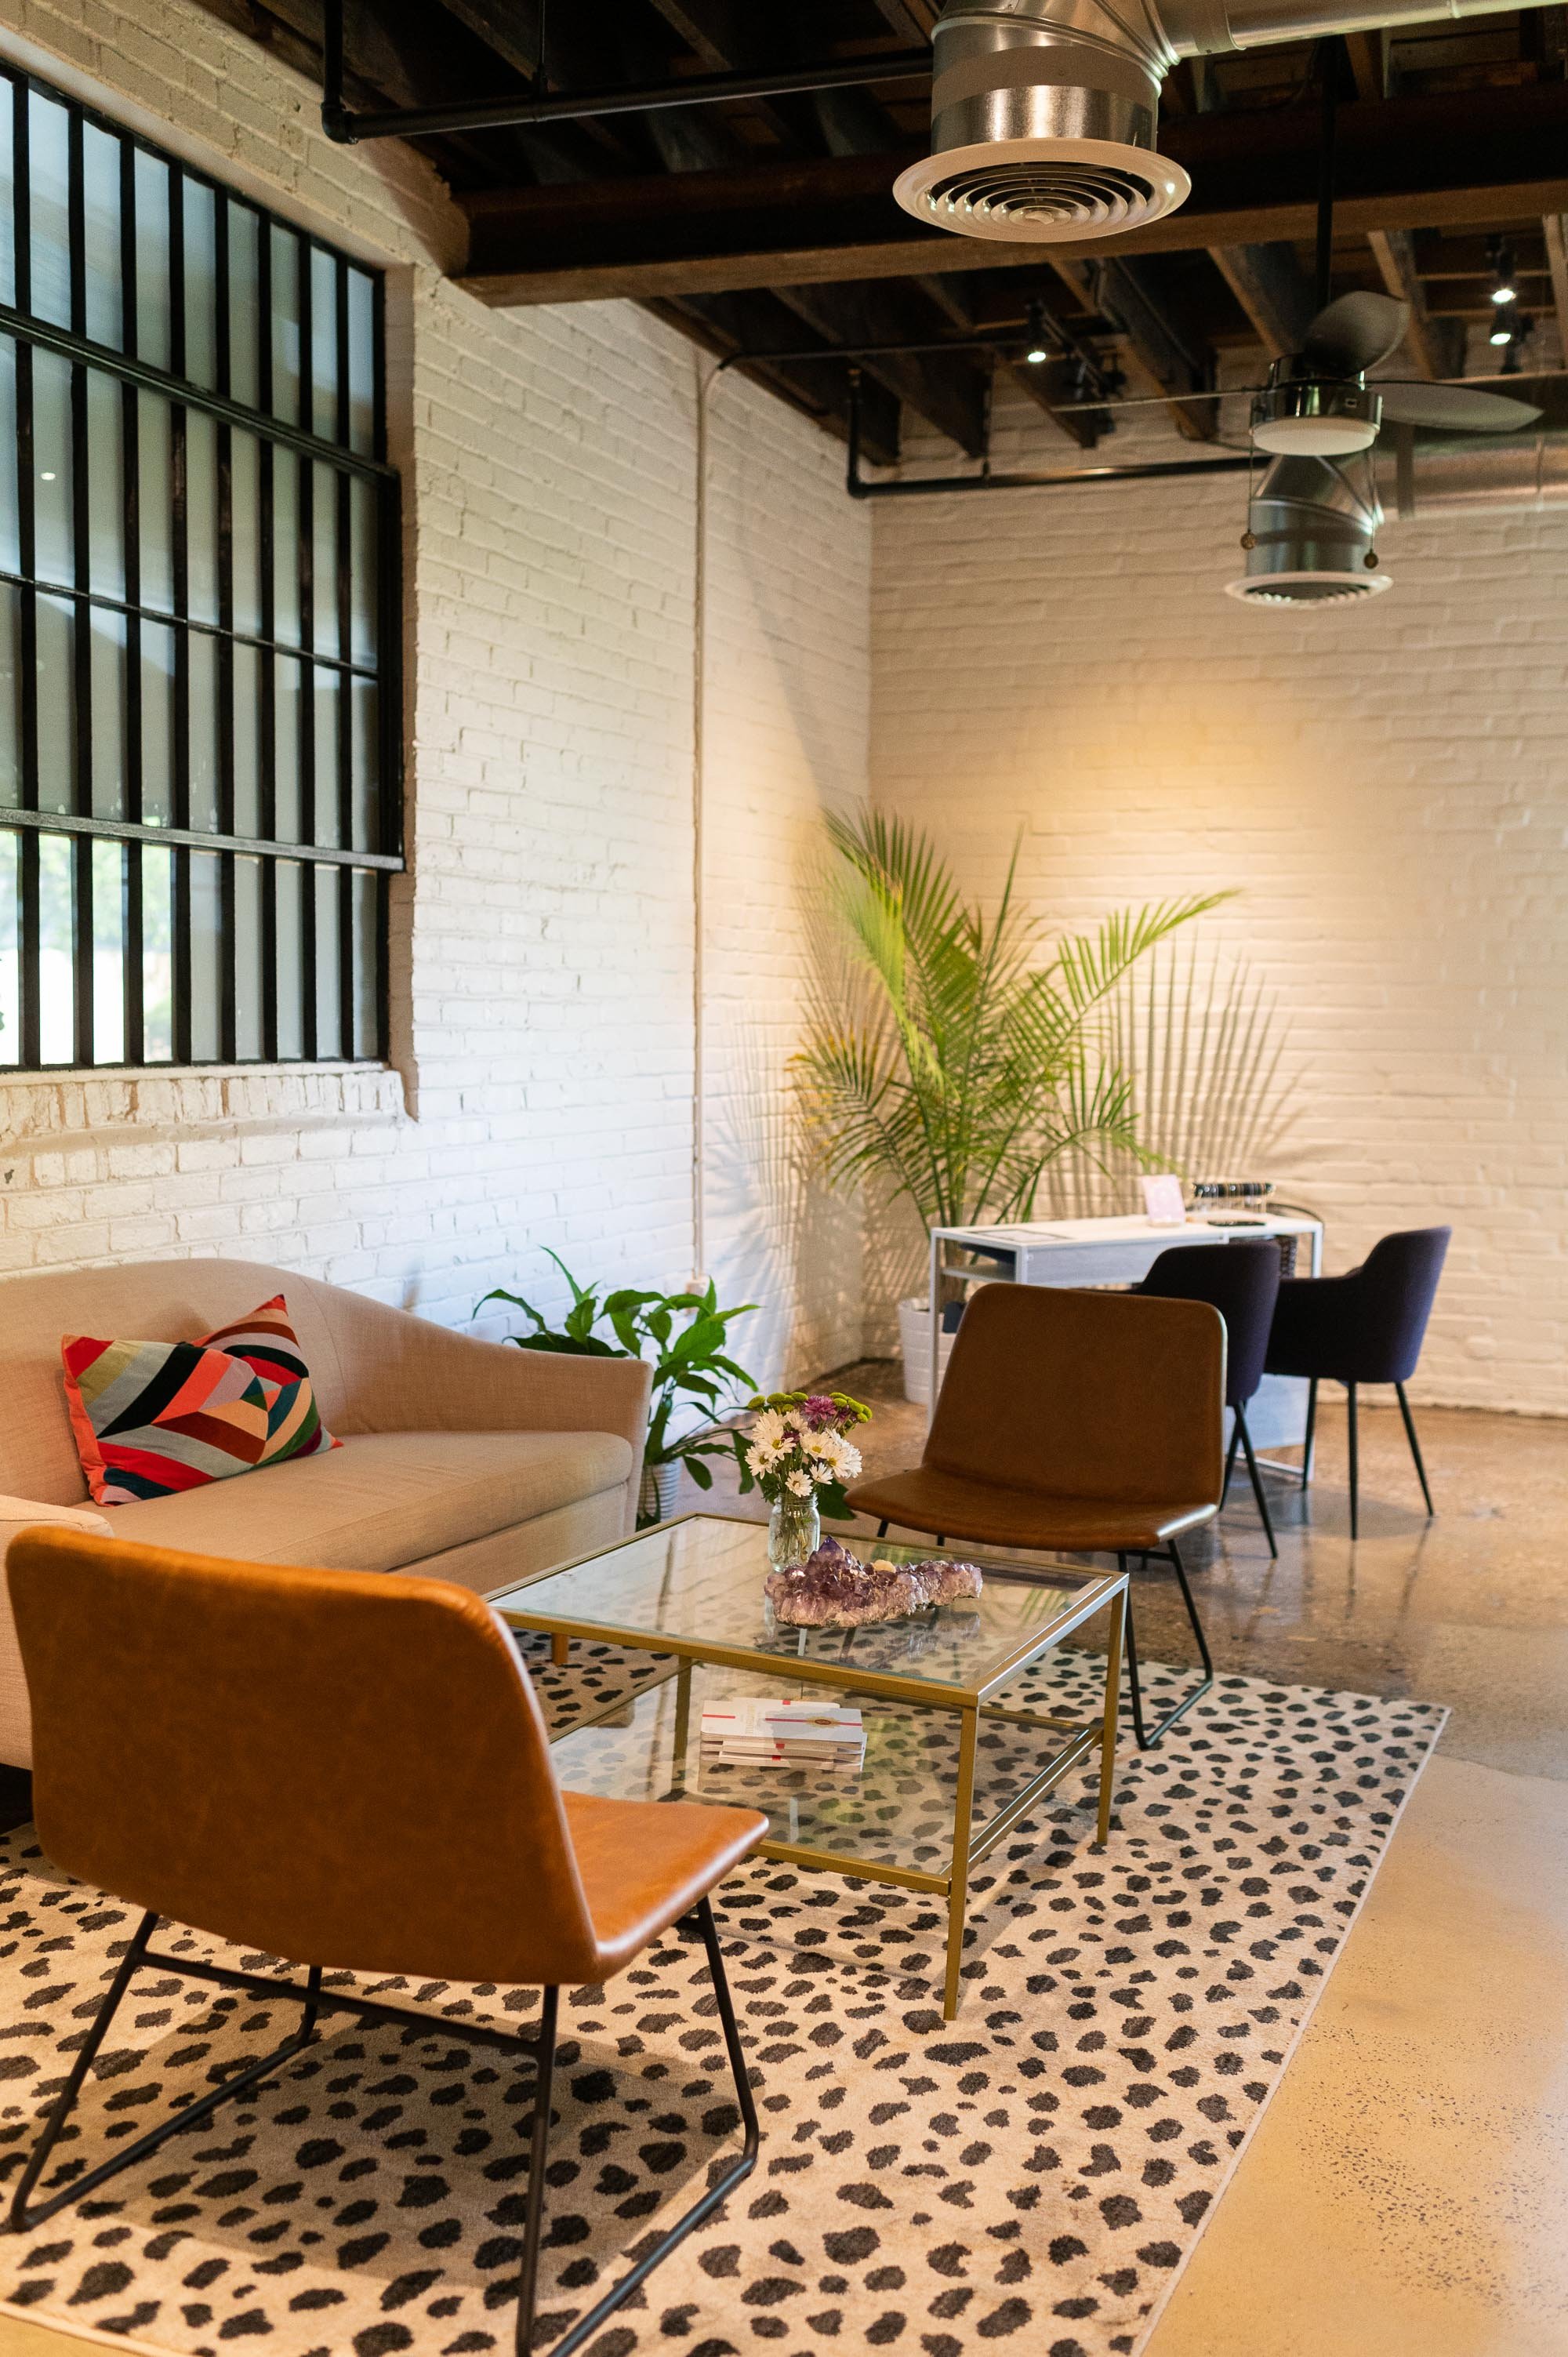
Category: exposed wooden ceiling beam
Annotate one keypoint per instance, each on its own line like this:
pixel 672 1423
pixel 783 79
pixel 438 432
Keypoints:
pixel 1436 346
pixel 731 323
pixel 1274 290
pixel 1369 55
pixel 913 20
pixel 1478 158
pixel 948 392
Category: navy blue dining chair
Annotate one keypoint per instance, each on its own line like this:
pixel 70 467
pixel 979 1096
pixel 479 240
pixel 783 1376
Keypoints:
pixel 1242 1281
pixel 1366 1327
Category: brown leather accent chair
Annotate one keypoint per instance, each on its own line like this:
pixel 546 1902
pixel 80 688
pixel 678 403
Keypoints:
pixel 1078 1424
pixel 346 1769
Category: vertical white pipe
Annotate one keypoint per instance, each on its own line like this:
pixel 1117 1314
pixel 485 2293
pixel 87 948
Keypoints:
pixel 706 383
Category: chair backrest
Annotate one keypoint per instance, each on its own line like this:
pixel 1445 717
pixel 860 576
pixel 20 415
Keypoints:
pixel 1396 1285
pixel 340 1768
pixel 1105 1395
pixel 1242 1281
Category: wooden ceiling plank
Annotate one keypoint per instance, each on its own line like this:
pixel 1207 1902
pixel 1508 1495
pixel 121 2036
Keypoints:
pixel 1436 346
pixel 1273 290
pixel 948 392
pixel 1369 55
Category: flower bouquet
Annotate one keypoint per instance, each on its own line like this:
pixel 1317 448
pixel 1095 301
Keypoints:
pixel 797 1452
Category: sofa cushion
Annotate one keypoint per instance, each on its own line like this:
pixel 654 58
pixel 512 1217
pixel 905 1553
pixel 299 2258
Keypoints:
pixel 156 1419
pixel 384 1499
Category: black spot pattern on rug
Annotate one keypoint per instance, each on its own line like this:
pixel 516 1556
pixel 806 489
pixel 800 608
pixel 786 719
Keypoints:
pixel 1031 2174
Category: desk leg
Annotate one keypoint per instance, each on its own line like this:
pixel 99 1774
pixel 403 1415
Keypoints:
pixel 1112 1698
pixel 683 1726
pixel 560 1648
pixel 963 1827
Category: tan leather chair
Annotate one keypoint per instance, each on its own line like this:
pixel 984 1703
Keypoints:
pixel 346 1769
pixel 1074 1423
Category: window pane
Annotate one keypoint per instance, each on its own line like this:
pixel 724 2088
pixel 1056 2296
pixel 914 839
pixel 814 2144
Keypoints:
pixel 324 560
pixel 244 529
pixel 156 468
pixel 244 247
pixel 57 951
pixel 157 725
pixel 54 541
pixel 153 308
pixel 101 202
pixel 367 963
pixel 108 953
pixel 206 958
pixel 248 976
pixel 105 485
pixel 362 363
pixel 200 282
pixel 364 595
pixel 10 520
pixel 201 516
pixel 367 766
pixel 50 188
pixel 289 885
pixel 285 325
pixel 329 798
pixel 10 694
pixel 7 192
pixel 10 939
pixel 285 547
pixel 329 973
pixel 324 344
pixel 247 740
pixel 56 704
pixel 158 955
pixel 107 654
pixel 202 660
pixel 287 703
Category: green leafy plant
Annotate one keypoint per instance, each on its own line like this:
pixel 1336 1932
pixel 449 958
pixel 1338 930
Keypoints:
pixel 686 1337
pixel 955 1054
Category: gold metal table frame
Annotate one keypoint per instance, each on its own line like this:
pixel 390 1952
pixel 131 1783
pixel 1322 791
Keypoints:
pixel 972 1702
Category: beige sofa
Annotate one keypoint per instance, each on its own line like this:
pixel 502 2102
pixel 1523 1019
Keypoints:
pixel 468 1461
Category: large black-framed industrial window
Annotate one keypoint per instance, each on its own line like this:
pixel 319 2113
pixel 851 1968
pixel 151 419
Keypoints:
pixel 199 613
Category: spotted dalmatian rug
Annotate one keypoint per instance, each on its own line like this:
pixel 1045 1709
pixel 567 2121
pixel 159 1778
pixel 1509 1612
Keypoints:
pixel 1034 2174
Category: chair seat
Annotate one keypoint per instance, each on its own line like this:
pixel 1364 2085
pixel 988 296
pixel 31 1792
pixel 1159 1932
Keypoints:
pixel 645 1864
pixel 959 1506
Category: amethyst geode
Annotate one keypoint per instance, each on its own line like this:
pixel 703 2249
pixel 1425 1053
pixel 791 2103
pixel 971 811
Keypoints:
pixel 833 1590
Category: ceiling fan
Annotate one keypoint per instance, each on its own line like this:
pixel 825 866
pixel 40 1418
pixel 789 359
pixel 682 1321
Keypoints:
pixel 1318 403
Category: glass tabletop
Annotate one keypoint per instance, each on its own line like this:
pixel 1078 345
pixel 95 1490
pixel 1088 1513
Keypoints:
pixel 695 1588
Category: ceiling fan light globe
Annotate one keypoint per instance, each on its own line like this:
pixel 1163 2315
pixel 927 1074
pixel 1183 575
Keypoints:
pixel 1316 437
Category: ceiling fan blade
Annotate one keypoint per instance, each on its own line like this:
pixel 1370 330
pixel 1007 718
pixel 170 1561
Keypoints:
pixel 1356 332
pixel 1458 408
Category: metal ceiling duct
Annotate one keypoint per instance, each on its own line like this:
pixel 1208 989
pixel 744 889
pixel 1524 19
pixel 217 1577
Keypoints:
pixel 1313 525
pixel 1044 113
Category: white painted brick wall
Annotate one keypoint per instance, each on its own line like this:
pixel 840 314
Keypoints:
pixel 543 997
pixel 1388 786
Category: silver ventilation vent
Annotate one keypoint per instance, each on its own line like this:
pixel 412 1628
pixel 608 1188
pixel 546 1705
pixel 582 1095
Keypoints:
pixel 1310 537
pixel 1042 117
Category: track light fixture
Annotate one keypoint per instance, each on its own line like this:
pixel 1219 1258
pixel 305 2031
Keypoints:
pixel 1037 352
pixel 1503 288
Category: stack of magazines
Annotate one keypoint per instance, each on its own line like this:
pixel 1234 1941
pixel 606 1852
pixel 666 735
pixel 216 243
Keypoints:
pixel 755 1731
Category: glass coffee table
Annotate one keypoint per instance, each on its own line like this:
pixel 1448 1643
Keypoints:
pixel 951 1765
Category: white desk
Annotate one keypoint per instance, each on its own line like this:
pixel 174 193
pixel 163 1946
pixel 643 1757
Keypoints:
pixel 1119 1251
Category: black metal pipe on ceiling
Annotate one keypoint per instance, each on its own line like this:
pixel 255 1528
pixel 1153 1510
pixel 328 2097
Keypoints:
pixel 577 106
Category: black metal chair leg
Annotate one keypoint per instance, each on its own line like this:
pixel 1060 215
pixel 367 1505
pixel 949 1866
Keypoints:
pixel 1257 1480
pixel 1311 1431
pixel 882 1528
pixel 1147 1741
pixel 1415 1448
pixel 1231 1456
pixel 720 2192
pixel 538 2151
pixel 1355 1469
pixel 23 2220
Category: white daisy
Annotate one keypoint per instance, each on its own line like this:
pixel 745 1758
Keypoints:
pixel 802 1484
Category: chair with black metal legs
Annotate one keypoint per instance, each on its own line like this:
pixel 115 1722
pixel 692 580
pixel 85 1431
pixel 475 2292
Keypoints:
pixel 1075 1424
pixel 1366 1327
pixel 1242 1281
pixel 349 1769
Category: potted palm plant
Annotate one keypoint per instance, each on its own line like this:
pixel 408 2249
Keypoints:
pixel 951 1054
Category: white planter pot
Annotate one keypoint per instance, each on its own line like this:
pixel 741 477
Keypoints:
pixel 661 1491
pixel 914 1341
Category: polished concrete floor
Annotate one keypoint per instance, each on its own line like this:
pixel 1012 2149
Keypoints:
pixel 1404 2193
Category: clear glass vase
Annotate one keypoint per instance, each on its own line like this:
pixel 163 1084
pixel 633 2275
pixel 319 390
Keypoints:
pixel 794 1529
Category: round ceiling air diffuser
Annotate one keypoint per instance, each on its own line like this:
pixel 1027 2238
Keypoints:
pixel 1042 192
pixel 1306 589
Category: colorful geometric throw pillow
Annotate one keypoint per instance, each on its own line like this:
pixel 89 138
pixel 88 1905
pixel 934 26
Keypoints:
pixel 154 1419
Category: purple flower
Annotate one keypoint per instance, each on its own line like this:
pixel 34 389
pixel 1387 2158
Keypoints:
pixel 819 1412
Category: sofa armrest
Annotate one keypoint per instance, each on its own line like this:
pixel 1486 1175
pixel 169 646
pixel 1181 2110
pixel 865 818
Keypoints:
pixel 18 1514
pixel 403 1374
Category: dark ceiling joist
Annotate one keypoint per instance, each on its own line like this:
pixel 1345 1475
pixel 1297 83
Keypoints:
pixel 948 392
pixel 1432 162
pixel 1274 290
pixel 725 324
pixel 1436 346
